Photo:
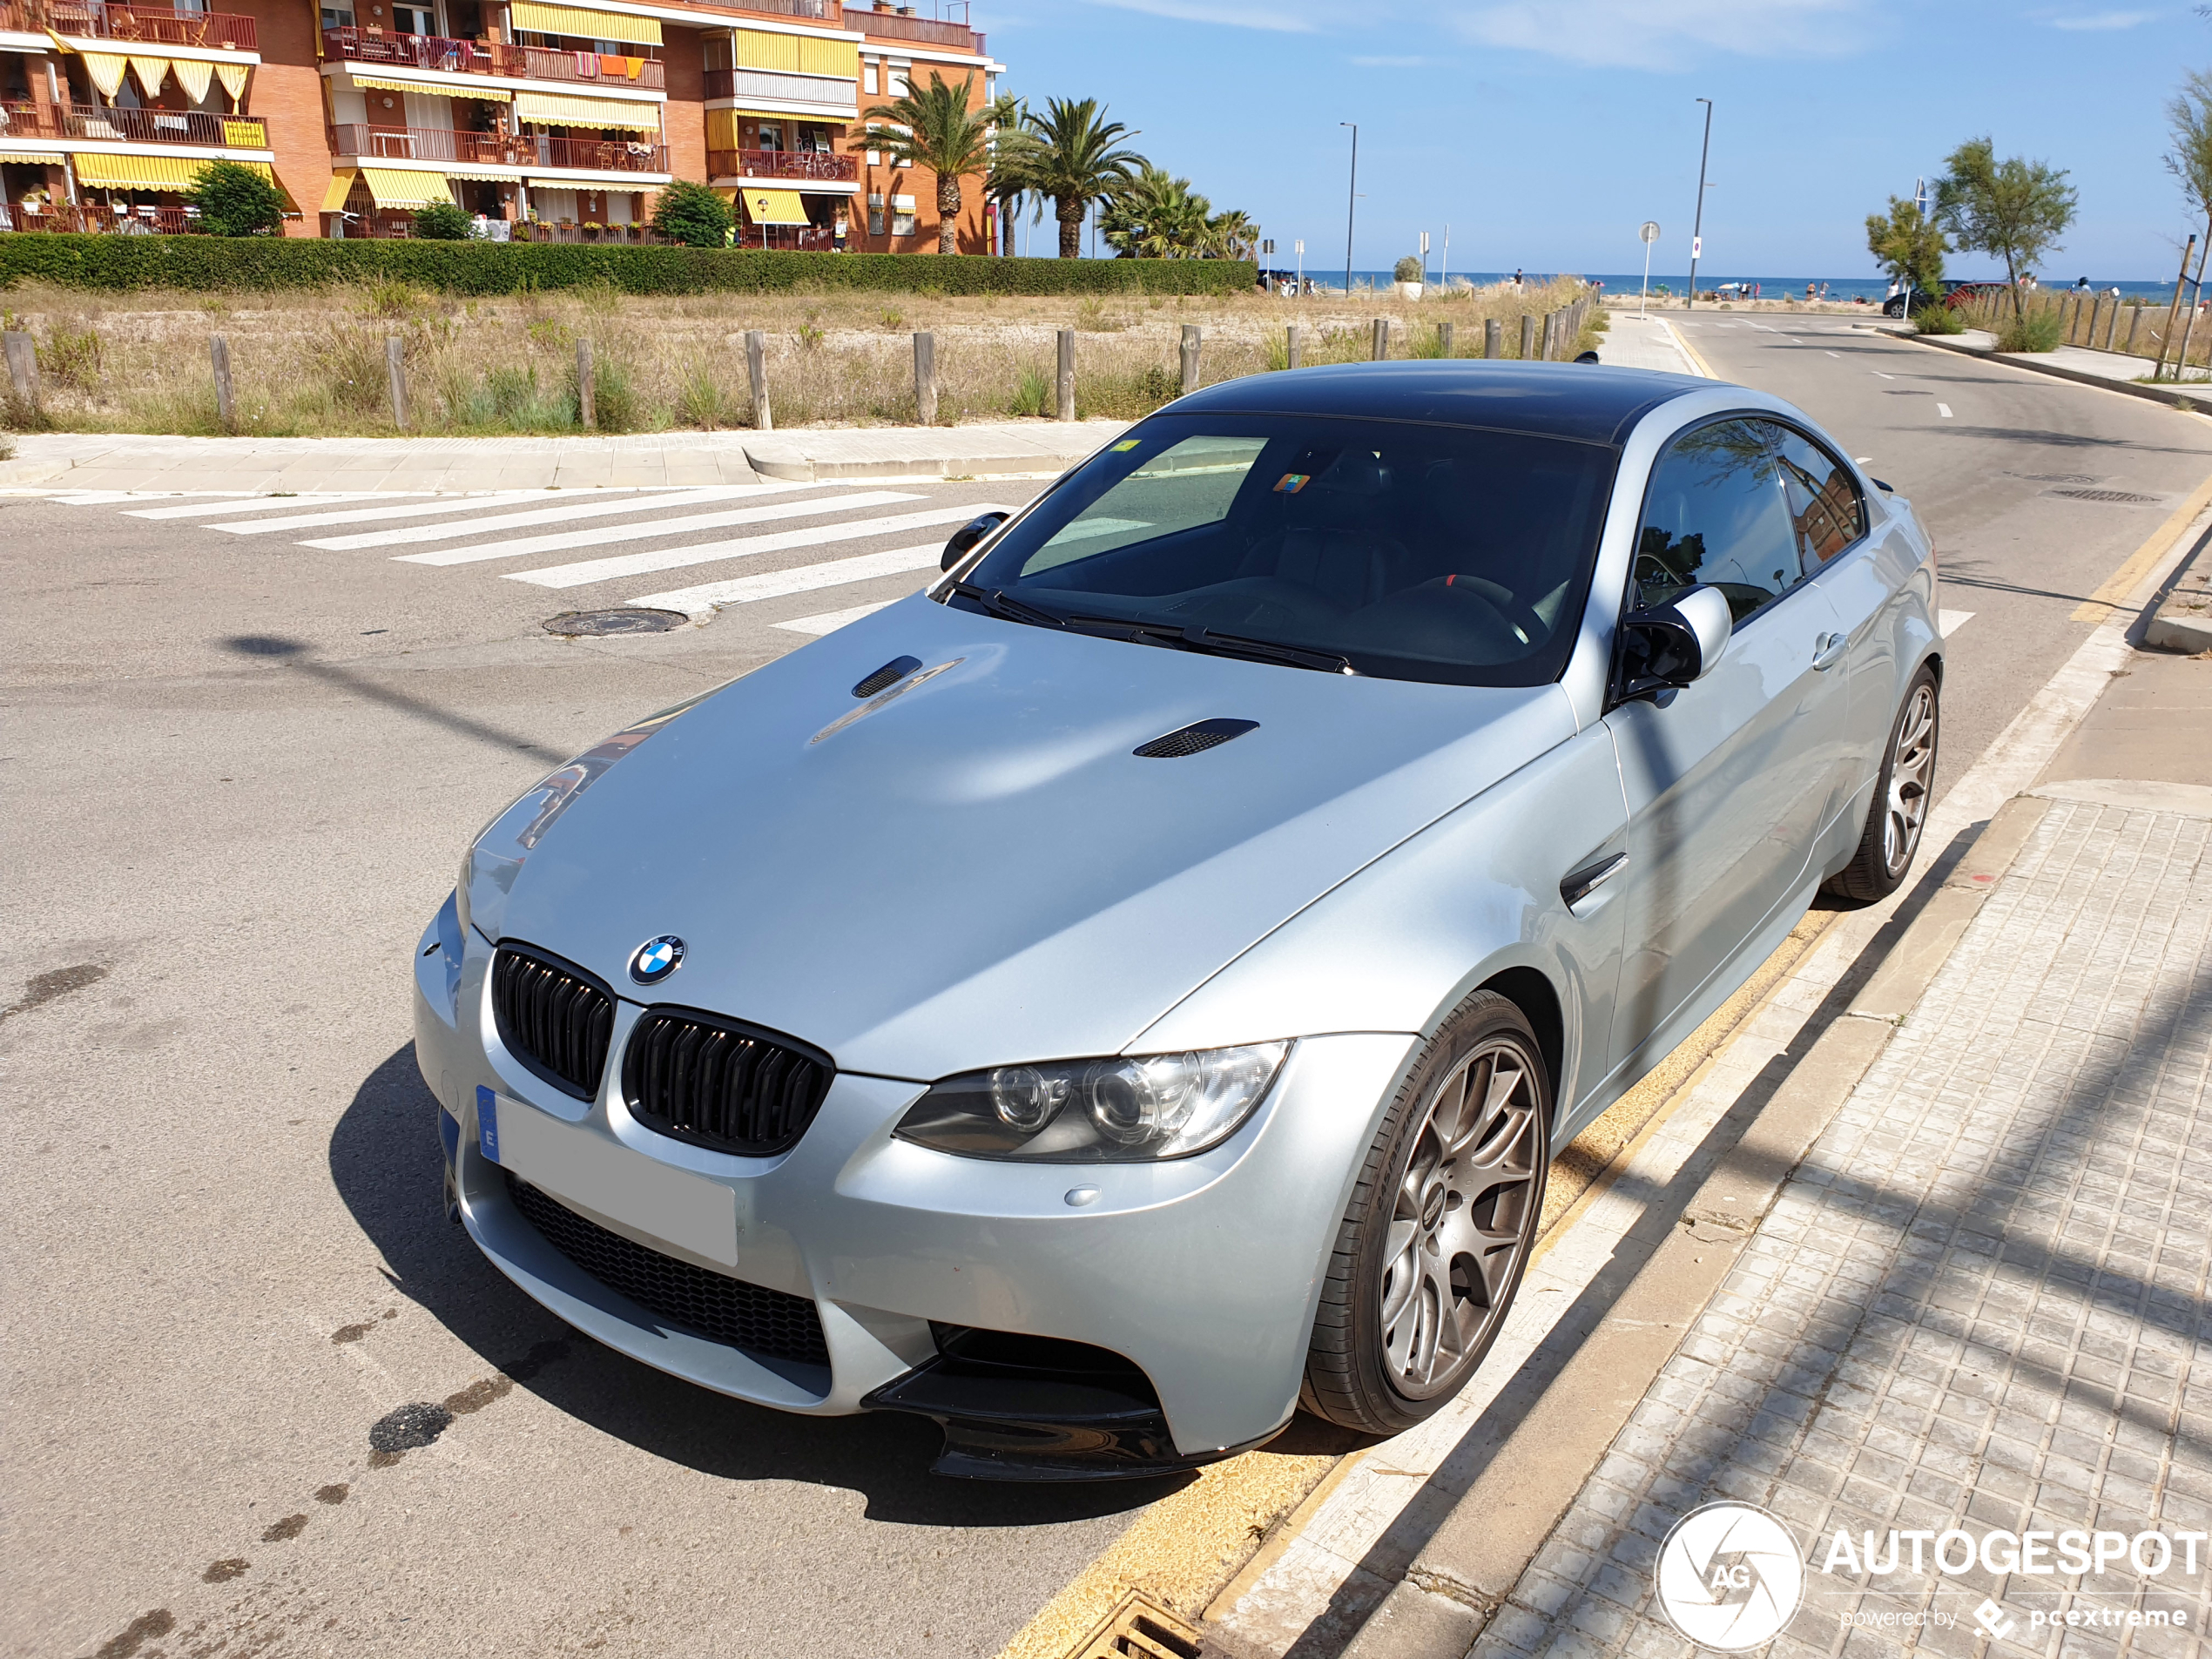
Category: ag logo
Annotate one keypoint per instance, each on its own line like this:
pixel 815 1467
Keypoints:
pixel 1730 1576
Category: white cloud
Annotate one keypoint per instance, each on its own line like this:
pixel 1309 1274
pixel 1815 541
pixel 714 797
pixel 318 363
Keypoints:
pixel 1391 62
pixel 1232 14
pixel 2104 20
pixel 1659 34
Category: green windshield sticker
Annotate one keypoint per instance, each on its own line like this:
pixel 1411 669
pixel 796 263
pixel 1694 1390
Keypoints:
pixel 1126 445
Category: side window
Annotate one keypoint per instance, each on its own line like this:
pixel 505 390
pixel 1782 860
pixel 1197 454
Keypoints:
pixel 1824 503
pixel 1715 513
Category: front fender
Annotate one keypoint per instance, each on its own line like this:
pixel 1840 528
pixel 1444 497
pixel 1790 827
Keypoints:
pixel 1400 944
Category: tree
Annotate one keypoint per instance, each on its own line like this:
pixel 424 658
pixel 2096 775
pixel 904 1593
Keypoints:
pixel 1156 216
pixel 934 128
pixel 2190 113
pixel 2016 210
pixel 1231 235
pixel 1068 155
pixel 1908 245
pixel 693 214
pixel 443 222
pixel 235 200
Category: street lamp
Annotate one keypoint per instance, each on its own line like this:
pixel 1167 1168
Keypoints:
pixel 1697 224
pixel 1350 201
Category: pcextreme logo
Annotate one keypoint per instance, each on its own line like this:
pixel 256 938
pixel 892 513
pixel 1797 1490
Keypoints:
pixel 1730 1576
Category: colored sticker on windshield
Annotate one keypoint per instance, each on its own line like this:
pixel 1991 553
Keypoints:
pixel 1126 445
pixel 1291 483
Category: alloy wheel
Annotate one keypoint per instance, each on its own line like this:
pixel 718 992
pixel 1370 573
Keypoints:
pixel 1912 772
pixel 1461 1218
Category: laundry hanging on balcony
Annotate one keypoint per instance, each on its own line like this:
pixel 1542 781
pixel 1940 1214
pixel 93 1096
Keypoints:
pixel 583 22
pixel 194 75
pixel 397 187
pixel 774 207
pixel 560 109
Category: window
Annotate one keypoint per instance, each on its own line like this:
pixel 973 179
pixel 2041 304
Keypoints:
pixel 1413 552
pixel 1825 501
pixel 338 16
pixel 875 215
pixel 867 79
pixel 902 216
pixel 1715 513
pixel 414 20
pixel 772 136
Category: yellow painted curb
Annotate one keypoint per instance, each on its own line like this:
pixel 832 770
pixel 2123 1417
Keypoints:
pixel 2121 582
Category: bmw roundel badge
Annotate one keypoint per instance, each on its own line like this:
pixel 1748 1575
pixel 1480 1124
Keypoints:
pixel 656 959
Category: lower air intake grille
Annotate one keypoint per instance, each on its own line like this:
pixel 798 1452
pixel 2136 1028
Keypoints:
pixel 717 1307
pixel 552 1017
pixel 1193 739
pixel 717 1083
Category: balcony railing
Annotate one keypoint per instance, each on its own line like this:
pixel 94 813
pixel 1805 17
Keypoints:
pixel 813 10
pixel 155 25
pixel 835 91
pixel 889 25
pixel 484 57
pixel 781 163
pixel 366 143
pixel 98 121
pixel 805 238
pixel 64 217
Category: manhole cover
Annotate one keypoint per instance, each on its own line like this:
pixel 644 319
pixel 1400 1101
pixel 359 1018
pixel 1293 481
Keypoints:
pixel 2060 478
pixel 626 619
pixel 2126 497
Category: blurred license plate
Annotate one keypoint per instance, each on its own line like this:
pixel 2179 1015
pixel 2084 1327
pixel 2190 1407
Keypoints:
pixel 601 1174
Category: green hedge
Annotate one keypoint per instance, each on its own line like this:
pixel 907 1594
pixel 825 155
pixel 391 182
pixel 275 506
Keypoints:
pixel 227 263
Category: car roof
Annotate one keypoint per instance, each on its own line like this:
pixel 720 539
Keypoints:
pixel 1587 402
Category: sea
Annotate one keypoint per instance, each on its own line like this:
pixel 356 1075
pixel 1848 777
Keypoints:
pixel 1872 289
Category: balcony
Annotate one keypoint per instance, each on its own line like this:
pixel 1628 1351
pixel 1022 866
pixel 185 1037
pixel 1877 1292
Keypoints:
pixel 100 123
pixel 805 239
pixel 151 26
pixel 813 10
pixel 891 26
pixel 781 163
pixel 62 217
pixel 531 150
pixel 374 46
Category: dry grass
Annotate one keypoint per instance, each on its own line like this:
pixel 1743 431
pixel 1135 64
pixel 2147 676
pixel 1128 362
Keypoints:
pixel 314 364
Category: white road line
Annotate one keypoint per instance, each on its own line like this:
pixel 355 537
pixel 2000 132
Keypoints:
pixel 1949 621
pixel 1878 375
pixel 1837 354
pixel 804 578
pixel 830 621
pixel 1943 409
pixel 639 499
pixel 677 558
pixel 566 539
pixel 372 514
pixel 1862 460
pixel 250 502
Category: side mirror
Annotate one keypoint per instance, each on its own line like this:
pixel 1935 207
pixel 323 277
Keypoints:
pixel 964 539
pixel 1673 645
pixel 1588 357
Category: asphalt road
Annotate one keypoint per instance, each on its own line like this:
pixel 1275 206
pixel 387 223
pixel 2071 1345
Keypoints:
pixel 239 772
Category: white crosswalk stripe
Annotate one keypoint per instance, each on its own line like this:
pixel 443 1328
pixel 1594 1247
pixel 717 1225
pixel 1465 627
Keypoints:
pixel 565 540
pixel 676 558
pixel 830 621
pixel 775 585
pixel 239 501
pixel 384 510
pixel 695 497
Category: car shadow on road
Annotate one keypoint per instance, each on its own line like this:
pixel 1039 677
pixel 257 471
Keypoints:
pixel 386 1164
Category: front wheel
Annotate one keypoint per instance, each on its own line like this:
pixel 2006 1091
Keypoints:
pixel 1434 1244
pixel 1902 794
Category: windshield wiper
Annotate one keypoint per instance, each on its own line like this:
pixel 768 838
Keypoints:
pixel 995 601
pixel 1204 639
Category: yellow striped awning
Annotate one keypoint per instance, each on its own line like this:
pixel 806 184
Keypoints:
pixel 583 22
pixel 106 71
pixel 232 77
pixel 28 157
pixel 774 207
pixel 395 187
pixel 194 75
pixel 341 185
pixel 430 89
pixel 561 108
pixel 151 72
pixel 139 172
pixel 481 175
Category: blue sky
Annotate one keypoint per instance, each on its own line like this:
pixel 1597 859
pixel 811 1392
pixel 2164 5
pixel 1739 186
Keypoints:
pixel 1546 133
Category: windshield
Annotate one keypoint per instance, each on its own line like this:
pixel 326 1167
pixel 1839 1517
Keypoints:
pixel 1400 550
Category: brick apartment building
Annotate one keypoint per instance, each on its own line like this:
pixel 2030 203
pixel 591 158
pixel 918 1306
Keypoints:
pixel 548 121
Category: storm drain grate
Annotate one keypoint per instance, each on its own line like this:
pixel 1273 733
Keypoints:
pixel 1140 1628
pixel 2126 496
pixel 624 619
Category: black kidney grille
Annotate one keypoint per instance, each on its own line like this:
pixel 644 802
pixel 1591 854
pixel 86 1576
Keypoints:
pixel 717 1084
pixel 1193 739
pixel 553 1018
pixel 713 1305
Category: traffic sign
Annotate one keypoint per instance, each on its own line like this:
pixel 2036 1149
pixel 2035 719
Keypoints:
pixel 1650 230
pixel 1696 247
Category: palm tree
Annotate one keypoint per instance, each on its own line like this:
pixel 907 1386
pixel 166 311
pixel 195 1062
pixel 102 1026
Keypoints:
pixel 1156 216
pixel 1231 234
pixel 935 129
pixel 1067 155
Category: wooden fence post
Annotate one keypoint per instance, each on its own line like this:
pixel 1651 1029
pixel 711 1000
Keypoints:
pixel 1381 344
pixel 2096 315
pixel 1291 346
pixel 23 367
pixel 1443 340
pixel 587 400
pixel 396 372
pixel 1191 339
pixel 926 378
pixel 756 369
pixel 1493 337
pixel 1527 335
pixel 1067 375
pixel 2135 316
pixel 219 352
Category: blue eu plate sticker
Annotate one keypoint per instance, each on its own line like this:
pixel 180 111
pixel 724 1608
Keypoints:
pixel 487 1123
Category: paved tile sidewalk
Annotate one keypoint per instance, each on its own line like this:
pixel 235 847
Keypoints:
pixel 1979 1302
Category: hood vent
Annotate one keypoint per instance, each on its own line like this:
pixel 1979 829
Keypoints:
pixel 887 677
pixel 1193 739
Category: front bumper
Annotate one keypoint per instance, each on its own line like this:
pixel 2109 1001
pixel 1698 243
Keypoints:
pixel 1203 1272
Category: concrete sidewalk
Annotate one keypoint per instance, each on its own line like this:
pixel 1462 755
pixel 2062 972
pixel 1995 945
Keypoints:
pixel 1642 343
pixel 2113 370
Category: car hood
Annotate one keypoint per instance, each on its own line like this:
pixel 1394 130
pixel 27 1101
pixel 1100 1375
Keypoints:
pixel 972 869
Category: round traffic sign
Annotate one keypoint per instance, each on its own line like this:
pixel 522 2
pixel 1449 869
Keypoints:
pixel 1650 231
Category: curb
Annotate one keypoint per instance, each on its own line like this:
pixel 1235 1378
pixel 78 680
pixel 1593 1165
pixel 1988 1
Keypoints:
pixel 2171 398
pixel 807 470
pixel 19 473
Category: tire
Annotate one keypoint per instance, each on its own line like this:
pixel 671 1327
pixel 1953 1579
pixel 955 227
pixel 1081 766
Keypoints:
pixel 1899 810
pixel 1450 1165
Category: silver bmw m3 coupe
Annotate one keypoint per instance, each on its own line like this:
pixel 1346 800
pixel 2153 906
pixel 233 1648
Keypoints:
pixel 1131 990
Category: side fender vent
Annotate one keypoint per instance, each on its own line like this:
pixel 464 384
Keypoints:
pixel 887 677
pixel 1193 739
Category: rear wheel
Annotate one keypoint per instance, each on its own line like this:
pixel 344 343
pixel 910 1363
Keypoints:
pixel 1432 1246
pixel 1902 793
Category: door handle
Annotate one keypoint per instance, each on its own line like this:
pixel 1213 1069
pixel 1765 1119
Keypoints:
pixel 1828 650
pixel 1583 882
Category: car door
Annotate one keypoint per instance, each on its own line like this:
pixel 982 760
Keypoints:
pixel 1726 781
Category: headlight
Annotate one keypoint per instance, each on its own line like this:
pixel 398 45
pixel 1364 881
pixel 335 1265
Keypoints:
pixel 1097 1111
pixel 494 858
